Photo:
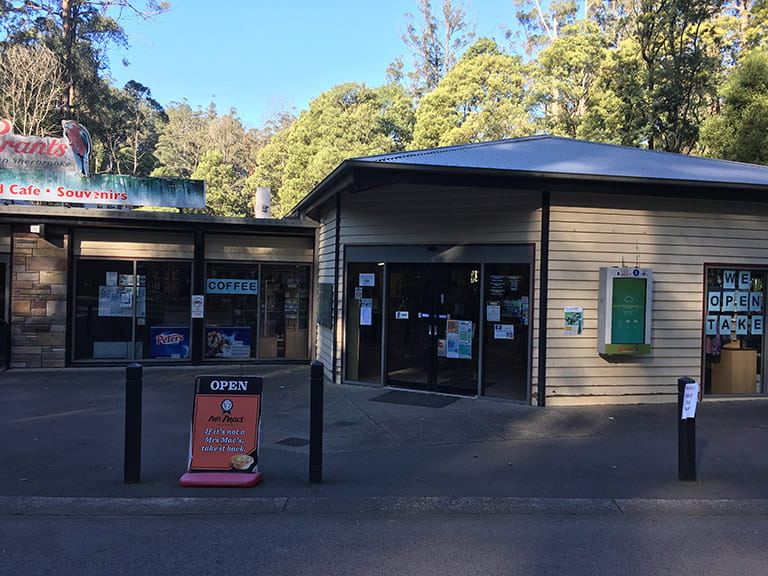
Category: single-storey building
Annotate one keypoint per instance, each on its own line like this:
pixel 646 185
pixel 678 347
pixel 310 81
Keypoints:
pixel 84 286
pixel 543 270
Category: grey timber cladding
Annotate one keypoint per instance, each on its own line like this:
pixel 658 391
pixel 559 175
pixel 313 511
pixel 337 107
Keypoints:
pixel 259 248
pixel 325 255
pixel 676 239
pixel 130 244
pixel 325 305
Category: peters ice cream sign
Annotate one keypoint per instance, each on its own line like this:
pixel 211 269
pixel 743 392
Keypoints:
pixel 44 169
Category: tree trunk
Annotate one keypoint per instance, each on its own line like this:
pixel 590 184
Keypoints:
pixel 68 23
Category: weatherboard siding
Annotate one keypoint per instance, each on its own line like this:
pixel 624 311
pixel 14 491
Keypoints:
pixel 259 248
pixel 108 244
pixel 675 238
pixel 325 252
pixel 444 216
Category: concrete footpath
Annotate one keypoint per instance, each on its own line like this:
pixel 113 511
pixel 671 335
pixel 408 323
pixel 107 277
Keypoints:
pixel 63 446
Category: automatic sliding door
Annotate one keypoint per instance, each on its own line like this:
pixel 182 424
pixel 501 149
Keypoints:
pixel 457 304
pixel 433 319
pixel 411 350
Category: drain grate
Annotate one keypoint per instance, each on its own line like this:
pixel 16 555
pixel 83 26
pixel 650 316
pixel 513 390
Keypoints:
pixel 293 441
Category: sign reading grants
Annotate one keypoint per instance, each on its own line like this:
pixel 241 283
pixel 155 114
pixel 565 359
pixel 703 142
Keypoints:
pixel 51 154
pixel 224 443
pixel 44 169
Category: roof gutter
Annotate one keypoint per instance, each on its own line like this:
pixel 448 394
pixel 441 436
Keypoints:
pixel 359 175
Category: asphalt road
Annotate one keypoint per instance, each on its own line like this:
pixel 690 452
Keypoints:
pixel 385 544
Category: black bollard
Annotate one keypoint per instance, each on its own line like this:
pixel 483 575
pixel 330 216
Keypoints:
pixel 133 385
pixel 316 423
pixel 686 437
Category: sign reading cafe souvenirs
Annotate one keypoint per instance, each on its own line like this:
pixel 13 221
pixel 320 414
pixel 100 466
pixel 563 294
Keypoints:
pixel 43 169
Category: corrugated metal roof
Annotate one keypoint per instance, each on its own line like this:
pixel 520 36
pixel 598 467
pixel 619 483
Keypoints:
pixel 563 156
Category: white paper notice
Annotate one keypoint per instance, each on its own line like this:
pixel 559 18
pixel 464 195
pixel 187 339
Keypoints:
pixel 493 312
pixel 690 399
pixel 198 305
pixel 367 280
pixel 504 331
pixel 366 310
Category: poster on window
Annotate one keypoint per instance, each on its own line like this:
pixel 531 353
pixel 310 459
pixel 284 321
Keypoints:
pixel 366 311
pixel 493 311
pixel 109 301
pixel 496 285
pixel 458 339
pixel 503 331
pixel 115 301
pixel 227 342
pixel 367 280
pixel 169 341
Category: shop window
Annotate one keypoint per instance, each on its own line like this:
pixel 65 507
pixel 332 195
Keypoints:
pixel 231 311
pixel 507 311
pixel 734 343
pixel 162 309
pixel 127 310
pixel 284 319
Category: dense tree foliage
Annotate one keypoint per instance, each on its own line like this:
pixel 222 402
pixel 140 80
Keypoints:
pixel 349 120
pixel 481 99
pixel 564 78
pixel 740 132
pixel 687 76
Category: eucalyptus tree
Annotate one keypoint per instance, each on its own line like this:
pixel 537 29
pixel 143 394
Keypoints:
pixel 348 120
pixel 739 27
pixel 132 121
pixel 435 42
pixel 223 184
pixel 659 83
pixel 78 31
pixel 542 21
pixel 481 99
pixel 563 78
pixel 181 144
pixel 740 131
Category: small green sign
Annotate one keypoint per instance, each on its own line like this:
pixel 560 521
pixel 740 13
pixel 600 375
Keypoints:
pixel 628 311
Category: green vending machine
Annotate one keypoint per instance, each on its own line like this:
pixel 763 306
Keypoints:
pixel 624 311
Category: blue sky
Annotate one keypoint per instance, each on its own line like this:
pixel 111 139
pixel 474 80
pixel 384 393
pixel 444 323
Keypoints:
pixel 263 56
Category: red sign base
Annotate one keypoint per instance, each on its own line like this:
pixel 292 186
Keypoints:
pixel 238 480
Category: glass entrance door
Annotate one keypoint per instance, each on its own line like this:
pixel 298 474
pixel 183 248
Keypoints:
pixel 432 329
